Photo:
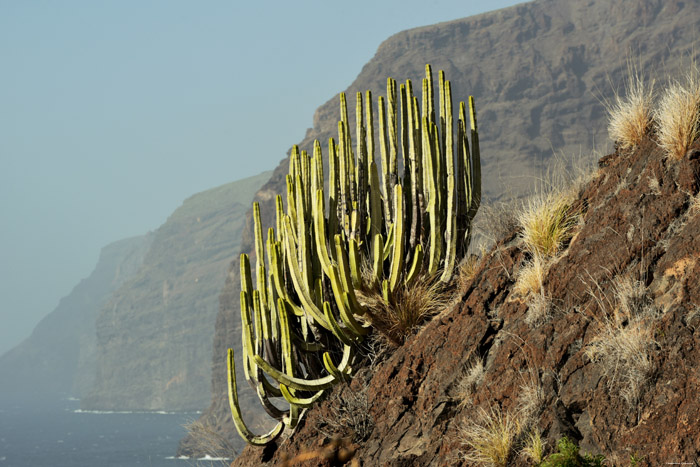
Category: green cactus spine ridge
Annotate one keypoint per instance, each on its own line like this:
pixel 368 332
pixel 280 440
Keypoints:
pixel 336 252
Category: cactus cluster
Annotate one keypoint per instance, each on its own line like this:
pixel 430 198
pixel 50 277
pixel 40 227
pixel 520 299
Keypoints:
pixel 303 320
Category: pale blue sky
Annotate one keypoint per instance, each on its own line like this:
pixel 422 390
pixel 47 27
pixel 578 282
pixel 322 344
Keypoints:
pixel 113 112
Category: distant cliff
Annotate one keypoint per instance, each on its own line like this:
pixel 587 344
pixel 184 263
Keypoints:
pixel 154 336
pixel 58 359
pixel 538 71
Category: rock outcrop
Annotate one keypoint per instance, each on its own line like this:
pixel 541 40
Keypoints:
pixel 58 359
pixel 539 72
pixel 626 283
pixel 154 336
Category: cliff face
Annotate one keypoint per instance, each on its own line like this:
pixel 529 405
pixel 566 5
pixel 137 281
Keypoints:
pixel 613 365
pixel 58 359
pixel 154 335
pixel 538 71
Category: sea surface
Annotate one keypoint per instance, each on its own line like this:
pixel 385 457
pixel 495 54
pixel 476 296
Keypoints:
pixel 60 435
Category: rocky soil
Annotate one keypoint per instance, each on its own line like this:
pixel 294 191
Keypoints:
pixel 635 254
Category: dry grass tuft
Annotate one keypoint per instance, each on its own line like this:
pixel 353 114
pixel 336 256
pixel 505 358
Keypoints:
pixel 547 223
pixel 531 277
pixel 630 117
pixel 626 340
pixel 678 115
pixel 469 382
pixel 489 438
pixel 534 447
pixel 467 270
pixel 412 306
pixel 538 309
pixel 530 401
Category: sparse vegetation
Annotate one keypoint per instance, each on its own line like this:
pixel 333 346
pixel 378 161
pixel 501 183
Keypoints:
pixel 678 114
pixel 494 436
pixel 568 456
pixel 630 116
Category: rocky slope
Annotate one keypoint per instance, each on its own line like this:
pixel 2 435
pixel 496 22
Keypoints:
pixel 58 359
pixel 625 285
pixel 154 336
pixel 538 71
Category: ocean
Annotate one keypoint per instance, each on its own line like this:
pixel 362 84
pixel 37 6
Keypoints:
pixel 60 435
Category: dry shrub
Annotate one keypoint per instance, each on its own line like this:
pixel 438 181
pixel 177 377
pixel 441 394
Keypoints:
pixel 678 114
pixel 490 437
pixel 349 415
pixel 411 307
pixel 630 117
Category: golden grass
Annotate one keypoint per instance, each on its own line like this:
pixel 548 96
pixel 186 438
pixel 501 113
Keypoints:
pixel 678 115
pixel 546 223
pixel 489 438
pixel 631 116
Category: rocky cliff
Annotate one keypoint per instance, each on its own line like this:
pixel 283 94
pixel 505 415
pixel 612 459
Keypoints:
pixel 612 365
pixel 154 336
pixel 539 72
pixel 58 359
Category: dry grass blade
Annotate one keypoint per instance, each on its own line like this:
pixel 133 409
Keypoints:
pixel 678 115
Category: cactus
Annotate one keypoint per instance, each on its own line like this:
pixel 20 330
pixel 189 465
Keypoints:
pixel 369 235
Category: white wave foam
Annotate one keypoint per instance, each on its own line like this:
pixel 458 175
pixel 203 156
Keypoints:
pixel 157 412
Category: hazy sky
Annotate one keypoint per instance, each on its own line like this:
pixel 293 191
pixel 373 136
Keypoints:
pixel 113 112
